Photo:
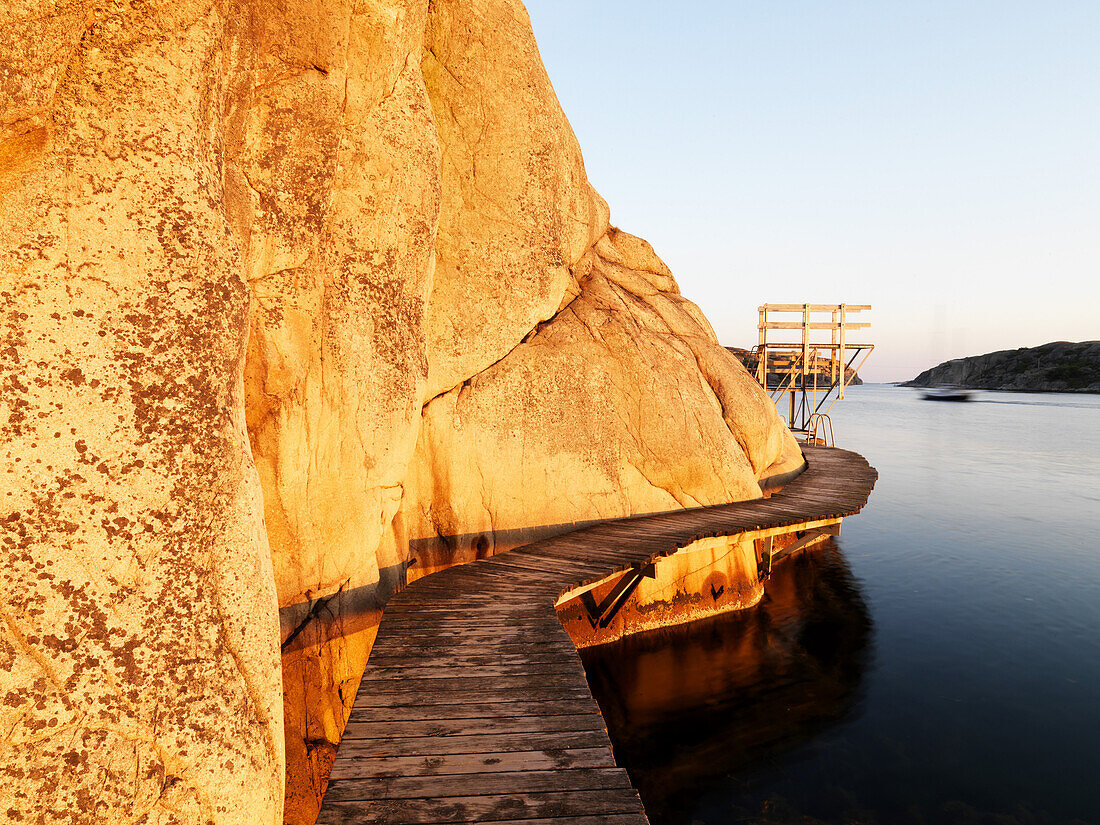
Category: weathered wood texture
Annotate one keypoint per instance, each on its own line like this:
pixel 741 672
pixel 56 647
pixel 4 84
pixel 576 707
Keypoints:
pixel 475 708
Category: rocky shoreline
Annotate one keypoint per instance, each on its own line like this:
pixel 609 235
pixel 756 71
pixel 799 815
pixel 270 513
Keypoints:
pixel 1060 366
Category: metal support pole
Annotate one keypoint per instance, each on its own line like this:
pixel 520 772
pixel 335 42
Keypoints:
pixel 843 353
pixel 805 341
pixel 762 350
pixel 833 356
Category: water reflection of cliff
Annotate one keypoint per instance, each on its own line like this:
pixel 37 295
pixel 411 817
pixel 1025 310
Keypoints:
pixel 688 705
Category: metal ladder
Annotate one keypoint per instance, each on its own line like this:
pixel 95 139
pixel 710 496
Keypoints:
pixel 822 422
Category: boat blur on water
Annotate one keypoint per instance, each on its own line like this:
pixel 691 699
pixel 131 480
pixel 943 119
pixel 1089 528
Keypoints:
pixel 947 394
pixel 937 664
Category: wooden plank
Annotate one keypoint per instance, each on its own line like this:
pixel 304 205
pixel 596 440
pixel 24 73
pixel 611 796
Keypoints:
pixel 432 670
pixel 534 655
pixel 477 784
pixel 505 631
pixel 472 689
pixel 483 808
pixel 422 652
pixel 477 710
pixel 425 637
pixel 489 591
pixel 477 614
pixel 351 767
pixel 395 696
pixel 475 743
pixel 551 567
pixel 454 630
pixel 469 727
pixel 604 819
pixel 814 325
pixel 459 621
pixel 550 638
pixel 814 308
pixel 471 587
pixel 474 649
pixel 608 560
pixel 501 627
pixel 450 656
pixel 589 548
pixel 494 569
pixel 599 819
pixel 506 605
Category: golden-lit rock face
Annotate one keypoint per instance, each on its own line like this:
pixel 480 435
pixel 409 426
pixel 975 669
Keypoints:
pixel 332 166
pixel 139 670
pixel 291 295
pixel 622 403
pixel 518 211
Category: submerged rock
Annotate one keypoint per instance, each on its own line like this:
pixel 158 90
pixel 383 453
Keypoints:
pixel 294 296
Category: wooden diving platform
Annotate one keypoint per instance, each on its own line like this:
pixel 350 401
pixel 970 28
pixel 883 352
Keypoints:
pixel 474 706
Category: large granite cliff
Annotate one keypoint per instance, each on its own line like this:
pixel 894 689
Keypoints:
pixel 1060 366
pixel 298 300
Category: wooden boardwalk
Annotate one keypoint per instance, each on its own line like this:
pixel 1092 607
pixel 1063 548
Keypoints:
pixel 474 706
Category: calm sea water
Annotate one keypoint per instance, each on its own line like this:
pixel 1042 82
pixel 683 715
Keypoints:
pixel 938 663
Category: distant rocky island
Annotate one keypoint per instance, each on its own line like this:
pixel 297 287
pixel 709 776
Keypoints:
pixel 1060 366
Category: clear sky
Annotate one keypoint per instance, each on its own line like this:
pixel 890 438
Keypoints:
pixel 938 160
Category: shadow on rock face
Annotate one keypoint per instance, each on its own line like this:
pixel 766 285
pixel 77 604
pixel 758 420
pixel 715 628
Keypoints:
pixel 689 704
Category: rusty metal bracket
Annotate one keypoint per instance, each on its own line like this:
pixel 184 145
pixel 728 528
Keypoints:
pixel 603 613
pixel 767 556
pixel 764 559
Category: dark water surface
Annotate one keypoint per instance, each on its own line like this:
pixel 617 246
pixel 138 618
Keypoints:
pixel 938 663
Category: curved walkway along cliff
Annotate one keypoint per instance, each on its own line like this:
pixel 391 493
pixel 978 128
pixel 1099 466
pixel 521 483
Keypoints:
pixel 474 706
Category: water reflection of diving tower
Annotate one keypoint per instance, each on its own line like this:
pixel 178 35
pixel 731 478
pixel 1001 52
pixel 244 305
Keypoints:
pixel 811 374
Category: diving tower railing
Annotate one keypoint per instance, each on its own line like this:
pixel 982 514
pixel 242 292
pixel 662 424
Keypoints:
pixel 811 374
